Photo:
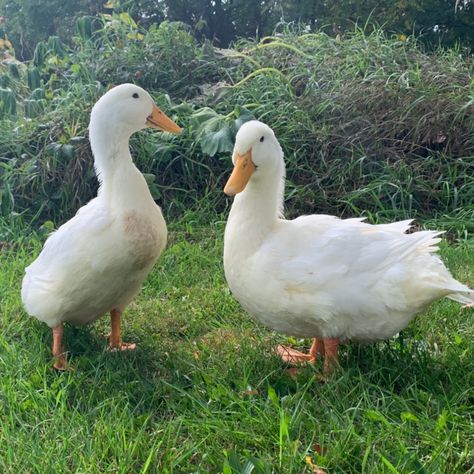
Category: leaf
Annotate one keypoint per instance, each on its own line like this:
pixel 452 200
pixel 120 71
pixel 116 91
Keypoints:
pixel 183 109
pixel 53 60
pixel 376 416
pixel 149 178
pixel 148 461
pixel 442 420
pixel 213 131
pixel 135 36
pixel 408 416
pixel 126 18
pixel 234 462
pixel 38 94
pixel 273 396
pixel 244 115
pixel 84 27
pixel 217 142
pixel 47 227
pixel 39 54
pixel 248 468
pixel 390 466
pixel 67 151
pixel 34 79
pixel 201 117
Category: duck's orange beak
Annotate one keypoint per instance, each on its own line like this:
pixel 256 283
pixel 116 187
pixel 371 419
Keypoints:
pixel 243 170
pixel 158 119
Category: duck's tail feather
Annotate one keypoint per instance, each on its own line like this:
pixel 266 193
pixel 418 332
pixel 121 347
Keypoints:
pixel 465 297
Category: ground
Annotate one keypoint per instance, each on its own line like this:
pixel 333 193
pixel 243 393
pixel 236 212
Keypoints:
pixel 203 393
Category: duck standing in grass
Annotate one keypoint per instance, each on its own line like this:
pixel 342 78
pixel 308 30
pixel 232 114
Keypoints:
pixel 97 261
pixel 320 276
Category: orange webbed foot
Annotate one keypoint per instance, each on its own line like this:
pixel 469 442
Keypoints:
pixel 115 340
pixel 122 346
pixel 293 356
pixel 61 364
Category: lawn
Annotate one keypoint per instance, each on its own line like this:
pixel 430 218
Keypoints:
pixel 203 392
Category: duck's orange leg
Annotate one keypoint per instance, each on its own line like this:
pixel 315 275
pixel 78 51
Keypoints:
pixel 295 357
pixel 331 355
pixel 115 340
pixel 58 352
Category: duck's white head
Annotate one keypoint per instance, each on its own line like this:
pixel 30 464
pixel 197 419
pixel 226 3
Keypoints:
pixel 256 154
pixel 128 108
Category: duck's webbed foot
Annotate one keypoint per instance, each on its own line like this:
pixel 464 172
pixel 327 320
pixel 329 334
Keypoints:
pixel 115 340
pixel 320 347
pixel 295 357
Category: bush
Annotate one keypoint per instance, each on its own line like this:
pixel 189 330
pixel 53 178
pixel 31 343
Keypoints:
pixel 369 124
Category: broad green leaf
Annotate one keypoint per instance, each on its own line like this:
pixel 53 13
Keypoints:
pixel 216 142
pixel 244 116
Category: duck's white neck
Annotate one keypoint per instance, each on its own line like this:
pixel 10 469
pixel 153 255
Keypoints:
pixel 110 149
pixel 121 183
pixel 258 207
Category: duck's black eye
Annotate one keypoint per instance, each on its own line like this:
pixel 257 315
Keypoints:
pixel 135 95
pixel 261 139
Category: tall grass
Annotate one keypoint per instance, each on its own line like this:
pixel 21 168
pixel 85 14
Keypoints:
pixel 369 124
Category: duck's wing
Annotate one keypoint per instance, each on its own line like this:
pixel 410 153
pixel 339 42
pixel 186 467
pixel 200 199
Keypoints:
pixel 78 235
pixel 71 247
pixel 354 261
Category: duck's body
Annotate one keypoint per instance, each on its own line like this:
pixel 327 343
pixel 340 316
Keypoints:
pixel 319 276
pixel 97 261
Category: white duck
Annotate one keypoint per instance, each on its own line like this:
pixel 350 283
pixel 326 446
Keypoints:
pixel 97 261
pixel 319 276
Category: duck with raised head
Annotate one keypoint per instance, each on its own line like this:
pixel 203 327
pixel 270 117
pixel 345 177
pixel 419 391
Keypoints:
pixel 97 261
pixel 319 276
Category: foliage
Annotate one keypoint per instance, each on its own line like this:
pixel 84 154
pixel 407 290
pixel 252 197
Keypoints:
pixel 445 22
pixel 369 124
pixel 375 124
pixel 28 22
pixel 45 161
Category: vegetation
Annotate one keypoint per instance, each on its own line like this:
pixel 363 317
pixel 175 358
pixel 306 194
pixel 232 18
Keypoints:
pixel 370 124
pixel 204 394
pixel 436 22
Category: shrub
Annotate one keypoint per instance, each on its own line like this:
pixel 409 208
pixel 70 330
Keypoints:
pixel 369 124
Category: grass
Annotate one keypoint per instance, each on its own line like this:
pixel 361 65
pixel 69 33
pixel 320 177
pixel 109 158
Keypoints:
pixel 203 392
pixel 369 124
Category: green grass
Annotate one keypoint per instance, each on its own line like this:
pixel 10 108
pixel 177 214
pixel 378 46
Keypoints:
pixel 204 394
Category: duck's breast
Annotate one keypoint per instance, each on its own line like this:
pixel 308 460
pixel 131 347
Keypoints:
pixel 145 236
